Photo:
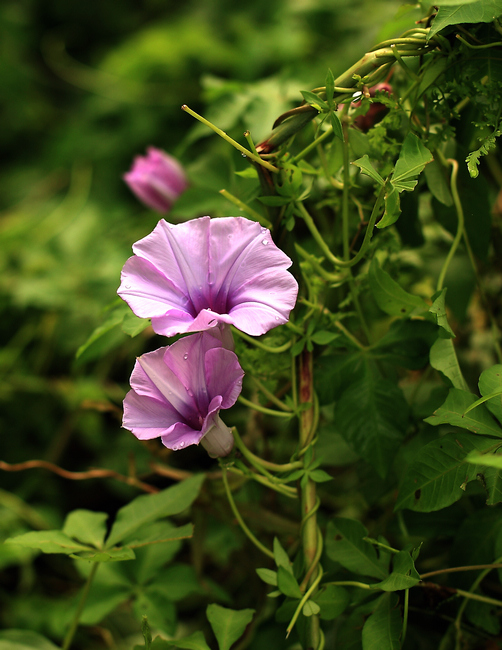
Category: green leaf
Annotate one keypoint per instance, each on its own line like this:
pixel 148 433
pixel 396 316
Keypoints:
pixel 24 640
pixel 158 532
pixel 488 460
pixel 147 508
pixel 101 340
pixel 412 159
pixel 287 583
pixel 49 541
pixel 110 555
pixel 311 608
pixel 195 641
pixel 319 476
pixel 438 310
pixel 382 630
pixel 482 11
pixel 336 125
pixel 438 475
pixel 345 544
pixel 444 358
pixel 333 601
pixel 314 100
pixel 228 624
pixel 436 181
pixel 407 343
pixel 366 167
pixel 490 382
pixel 390 296
pixel 86 526
pixel 268 576
pixel 403 576
pixel 392 207
pixel 274 201
pixel 104 599
pixel 452 412
pixel 323 337
pixel 132 325
pixel 372 416
pixel 281 557
pixel 159 609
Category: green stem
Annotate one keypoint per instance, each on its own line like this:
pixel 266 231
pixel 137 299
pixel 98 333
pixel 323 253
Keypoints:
pixel 405 615
pixel 312 145
pixel 263 480
pixel 245 208
pixel 237 514
pixel 263 409
pixel 345 191
pixel 83 598
pixel 460 228
pixel 268 348
pixel 254 157
pixel 269 395
pixel 302 602
pixel 259 462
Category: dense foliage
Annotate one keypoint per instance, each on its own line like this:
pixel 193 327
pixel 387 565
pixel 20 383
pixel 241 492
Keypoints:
pixel 360 505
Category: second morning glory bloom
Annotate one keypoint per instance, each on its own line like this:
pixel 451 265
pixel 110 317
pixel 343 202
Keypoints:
pixel 193 276
pixel 178 392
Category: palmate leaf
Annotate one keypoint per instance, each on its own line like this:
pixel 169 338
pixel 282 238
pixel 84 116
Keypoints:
pixel 49 541
pixel 438 475
pixel 86 526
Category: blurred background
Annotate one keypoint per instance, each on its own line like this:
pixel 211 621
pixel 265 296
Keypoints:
pixel 86 86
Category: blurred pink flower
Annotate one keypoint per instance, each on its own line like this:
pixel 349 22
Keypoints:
pixel 157 179
pixel 193 276
pixel 178 391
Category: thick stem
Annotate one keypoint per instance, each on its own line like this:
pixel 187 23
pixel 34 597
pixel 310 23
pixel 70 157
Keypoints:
pixel 308 491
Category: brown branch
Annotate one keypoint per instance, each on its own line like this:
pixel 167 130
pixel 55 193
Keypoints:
pixel 77 476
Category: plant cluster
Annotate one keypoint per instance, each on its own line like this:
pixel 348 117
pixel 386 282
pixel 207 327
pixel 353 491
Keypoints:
pixel 350 323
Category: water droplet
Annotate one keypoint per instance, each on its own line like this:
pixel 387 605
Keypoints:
pixel 190 393
pixel 212 322
pixel 243 155
pixel 182 444
pixel 174 448
pixel 127 286
pixel 277 318
pixel 210 277
pixel 265 242
pixel 185 356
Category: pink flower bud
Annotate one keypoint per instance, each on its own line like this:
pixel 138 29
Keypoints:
pixel 157 179
pixel 376 111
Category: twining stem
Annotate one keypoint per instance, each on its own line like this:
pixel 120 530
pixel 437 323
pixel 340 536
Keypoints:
pixel 241 521
pixel 460 217
pixel 263 346
pixel 270 396
pixel 259 462
pixel 309 501
pixel 263 409
pixel 83 598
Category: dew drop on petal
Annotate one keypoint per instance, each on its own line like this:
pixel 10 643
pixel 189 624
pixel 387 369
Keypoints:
pixel 212 322
pixel 265 242
pixel 185 356
pixel 210 277
pixel 127 286
pixel 182 444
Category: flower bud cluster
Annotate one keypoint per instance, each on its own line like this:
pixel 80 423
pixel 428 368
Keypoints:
pixel 198 278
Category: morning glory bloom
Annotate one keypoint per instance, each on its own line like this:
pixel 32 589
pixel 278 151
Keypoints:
pixel 193 276
pixel 157 179
pixel 178 392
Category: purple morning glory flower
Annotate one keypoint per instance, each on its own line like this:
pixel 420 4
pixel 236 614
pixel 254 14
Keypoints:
pixel 157 179
pixel 178 391
pixel 195 275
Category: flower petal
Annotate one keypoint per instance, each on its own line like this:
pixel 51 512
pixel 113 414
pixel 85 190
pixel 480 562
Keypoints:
pixel 223 375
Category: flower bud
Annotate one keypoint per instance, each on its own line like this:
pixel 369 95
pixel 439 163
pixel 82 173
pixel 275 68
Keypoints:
pixel 376 111
pixel 157 179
